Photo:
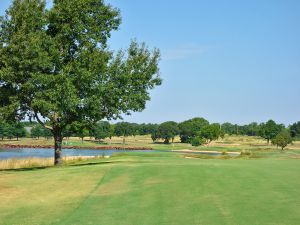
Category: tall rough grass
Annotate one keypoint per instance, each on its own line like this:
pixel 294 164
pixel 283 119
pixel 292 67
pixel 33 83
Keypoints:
pixel 18 163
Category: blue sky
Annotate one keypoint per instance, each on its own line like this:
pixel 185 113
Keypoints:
pixel 236 61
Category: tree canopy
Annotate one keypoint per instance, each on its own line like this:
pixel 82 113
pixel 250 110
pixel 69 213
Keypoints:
pixel 167 131
pixel 282 139
pixel 210 132
pixel 270 129
pixel 295 129
pixel 124 129
pixel 100 130
pixel 11 130
pixel 56 67
pixel 189 128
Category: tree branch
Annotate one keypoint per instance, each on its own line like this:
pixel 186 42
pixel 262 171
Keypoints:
pixel 40 121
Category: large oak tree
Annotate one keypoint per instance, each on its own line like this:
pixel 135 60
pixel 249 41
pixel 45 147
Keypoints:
pixel 56 66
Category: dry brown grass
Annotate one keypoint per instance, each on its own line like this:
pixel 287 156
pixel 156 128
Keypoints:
pixel 17 163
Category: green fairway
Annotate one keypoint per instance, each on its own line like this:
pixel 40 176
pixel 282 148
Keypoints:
pixel 154 189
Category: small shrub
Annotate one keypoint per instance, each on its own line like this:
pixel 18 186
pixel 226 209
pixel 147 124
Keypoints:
pixel 197 141
pixel 246 153
pixel 199 156
pixel 224 157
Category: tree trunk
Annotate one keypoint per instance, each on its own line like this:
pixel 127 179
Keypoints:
pixel 57 147
pixel 123 140
pixel 167 141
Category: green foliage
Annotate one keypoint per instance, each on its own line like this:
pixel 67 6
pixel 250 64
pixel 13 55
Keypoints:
pixel 124 129
pixel 252 129
pixel 2 130
pixel 188 129
pixel 37 131
pixel 282 139
pixel 29 123
pixel 229 128
pixel 147 128
pixel 167 131
pixel 222 134
pixel 62 69
pixel 79 129
pixel 270 129
pixel 154 136
pixel 295 129
pixel 11 130
pixel 111 131
pixel 210 132
pixel 47 133
pixel 197 141
pixel 246 153
pixel 100 130
pixel 82 133
pixel 135 128
pixel 224 153
pixel 68 132
pixel 19 130
pixel 6 130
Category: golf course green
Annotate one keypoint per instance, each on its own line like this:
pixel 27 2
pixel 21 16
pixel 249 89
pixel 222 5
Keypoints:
pixel 154 188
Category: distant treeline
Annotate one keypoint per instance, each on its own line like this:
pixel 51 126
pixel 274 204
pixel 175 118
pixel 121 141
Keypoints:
pixel 195 131
pixel 12 130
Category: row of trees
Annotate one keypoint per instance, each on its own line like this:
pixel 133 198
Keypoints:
pixel 195 131
pixel 266 130
pixel 38 131
pixel 191 131
pixel 295 129
pixel 12 130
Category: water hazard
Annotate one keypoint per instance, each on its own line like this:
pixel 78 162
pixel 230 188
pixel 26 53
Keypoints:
pixel 46 153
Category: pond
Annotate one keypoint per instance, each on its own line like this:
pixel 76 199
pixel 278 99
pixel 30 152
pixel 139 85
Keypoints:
pixel 46 153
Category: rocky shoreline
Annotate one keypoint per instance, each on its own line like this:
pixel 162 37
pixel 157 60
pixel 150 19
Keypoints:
pixel 76 147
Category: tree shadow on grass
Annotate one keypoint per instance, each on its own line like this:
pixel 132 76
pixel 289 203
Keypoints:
pixel 106 162
pixel 48 167
pixel 70 165
pixel 92 163
pixel 26 169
